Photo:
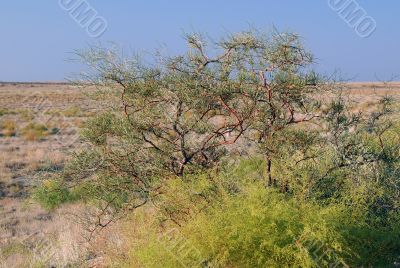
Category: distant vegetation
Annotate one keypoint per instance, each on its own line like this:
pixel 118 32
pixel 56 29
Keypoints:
pixel 236 154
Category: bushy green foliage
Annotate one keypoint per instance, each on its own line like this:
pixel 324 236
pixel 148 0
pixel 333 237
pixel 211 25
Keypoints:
pixel 261 228
pixel 52 193
pixel 253 226
pixel 265 229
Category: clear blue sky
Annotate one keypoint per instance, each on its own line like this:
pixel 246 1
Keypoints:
pixel 38 36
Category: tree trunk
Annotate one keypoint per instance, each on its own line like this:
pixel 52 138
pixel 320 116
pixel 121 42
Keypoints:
pixel 268 175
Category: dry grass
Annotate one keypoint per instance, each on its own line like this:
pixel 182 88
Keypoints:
pixel 31 149
pixel 32 236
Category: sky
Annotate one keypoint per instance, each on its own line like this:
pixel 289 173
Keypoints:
pixel 38 37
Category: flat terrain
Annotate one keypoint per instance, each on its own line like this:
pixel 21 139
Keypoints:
pixel 39 125
pixel 38 130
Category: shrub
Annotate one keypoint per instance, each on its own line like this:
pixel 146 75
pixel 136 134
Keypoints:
pixel 9 128
pixel 263 228
pixel 34 131
pixel 53 193
pixel 6 112
pixel 72 111
pixel 26 114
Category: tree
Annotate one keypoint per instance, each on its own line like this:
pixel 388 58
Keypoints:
pixel 178 116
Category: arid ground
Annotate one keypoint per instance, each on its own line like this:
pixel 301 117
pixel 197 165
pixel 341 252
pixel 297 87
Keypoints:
pixel 39 126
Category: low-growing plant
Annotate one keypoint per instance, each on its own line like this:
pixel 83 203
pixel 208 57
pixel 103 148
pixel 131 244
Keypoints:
pixel 252 227
pixel 6 112
pixel 34 131
pixel 53 112
pixel 14 248
pixel 9 128
pixel 52 193
pixel 26 114
pixel 73 111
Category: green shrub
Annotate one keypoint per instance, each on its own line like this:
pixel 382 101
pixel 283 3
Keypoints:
pixel 263 228
pixel 228 219
pixel 52 193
